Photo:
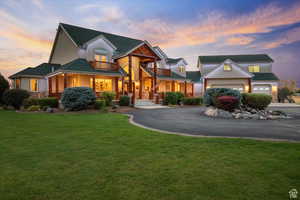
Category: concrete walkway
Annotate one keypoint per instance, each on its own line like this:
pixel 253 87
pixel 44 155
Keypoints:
pixel 190 121
pixel 284 105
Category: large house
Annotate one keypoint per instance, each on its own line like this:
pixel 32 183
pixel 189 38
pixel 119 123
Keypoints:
pixel 105 62
pixel 246 73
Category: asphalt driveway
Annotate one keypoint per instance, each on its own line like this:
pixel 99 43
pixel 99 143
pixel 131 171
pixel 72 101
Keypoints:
pixel 189 120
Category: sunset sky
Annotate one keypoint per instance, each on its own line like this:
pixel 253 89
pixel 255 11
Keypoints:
pixel 186 28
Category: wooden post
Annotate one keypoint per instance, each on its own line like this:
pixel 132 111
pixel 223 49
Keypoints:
pixel 130 73
pixel 49 86
pixel 94 83
pixel 56 84
pixel 155 76
pixel 250 87
pixel 192 89
pixel 141 83
pixel 133 94
pixel 117 87
pixel 185 88
pixel 205 84
pixel 152 89
pixel 122 85
pixel 65 81
pixel 173 86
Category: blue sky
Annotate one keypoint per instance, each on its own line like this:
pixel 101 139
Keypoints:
pixel 182 28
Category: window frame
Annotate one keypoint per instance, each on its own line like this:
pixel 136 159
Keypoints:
pixel 101 56
pixel 227 69
pixel 37 85
pixel 17 83
pixel 251 68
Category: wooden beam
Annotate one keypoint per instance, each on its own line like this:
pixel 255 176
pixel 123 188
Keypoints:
pixel 133 94
pixel 205 84
pixel 192 89
pixel 185 88
pixel 49 86
pixel 56 84
pixel 155 77
pixel 122 85
pixel 141 83
pixel 65 80
pixel 117 87
pixel 250 87
pixel 142 55
pixel 173 86
pixel 94 83
pixel 130 73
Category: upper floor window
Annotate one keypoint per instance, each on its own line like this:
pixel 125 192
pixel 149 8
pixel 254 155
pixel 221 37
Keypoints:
pixel 18 83
pixel 33 85
pixel 100 58
pixel 254 68
pixel 227 67
pixel 181 69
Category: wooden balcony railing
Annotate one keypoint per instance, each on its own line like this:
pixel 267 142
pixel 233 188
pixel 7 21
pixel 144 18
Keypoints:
pixel 162 72
pixel 107 66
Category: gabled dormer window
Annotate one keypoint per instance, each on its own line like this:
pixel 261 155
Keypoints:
pixel 227 67
pixel 100 58
pixel 254 68
pixel 181 69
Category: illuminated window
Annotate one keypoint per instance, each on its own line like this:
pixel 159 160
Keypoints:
pixel 33 85
pixel 100 58
pixel 227 67
pixel 18 83
pixel 181 69
pixel 254 68
pixel 101 85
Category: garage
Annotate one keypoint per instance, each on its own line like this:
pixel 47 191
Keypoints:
pixel 262 89
pixel 238 87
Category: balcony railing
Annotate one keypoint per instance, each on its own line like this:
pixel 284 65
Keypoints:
pixel 162 72
pixel 107 66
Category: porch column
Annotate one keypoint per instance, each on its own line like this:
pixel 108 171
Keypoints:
pixel 94 83
pixel 122 85
pixel 49 86
pixel 133 94
pixel 155 76
pixel 56 84
pixel 173 86
pixel 152 89
pixel 130 73
pixel 141 83
pixel 205 84
pixel 185 89
pixel 192 89
pixel 65 80
pixel 117 87
pixel 250 87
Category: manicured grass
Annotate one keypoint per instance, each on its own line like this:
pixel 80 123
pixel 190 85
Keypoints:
pixel 102 156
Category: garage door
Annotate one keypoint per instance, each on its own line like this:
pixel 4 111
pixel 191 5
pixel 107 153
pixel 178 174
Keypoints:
pixel 235 87
pixel 262 89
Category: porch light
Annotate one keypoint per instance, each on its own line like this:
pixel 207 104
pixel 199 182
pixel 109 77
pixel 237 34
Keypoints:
pixel 274 88
pixel 247 88
pixel 207 87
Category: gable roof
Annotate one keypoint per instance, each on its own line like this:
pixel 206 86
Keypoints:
pixel 194 76
pixel 40 70
pixel 173 60
pixel 82 35
pixel 264 77
pixel 236 58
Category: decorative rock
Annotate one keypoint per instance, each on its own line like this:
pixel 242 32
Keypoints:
pixel 253 111
pixel 238 116
pixel 211 112
pixel 115 106
pixel 49 110
pixel 224 114
pixel 262 118
pixel 278 112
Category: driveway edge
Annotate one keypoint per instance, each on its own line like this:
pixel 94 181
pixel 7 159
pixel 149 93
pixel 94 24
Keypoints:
pixel 131 121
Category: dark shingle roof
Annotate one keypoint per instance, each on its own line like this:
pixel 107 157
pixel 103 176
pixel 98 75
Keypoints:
pixel 82 35
pixel 194 76
pixel 236 58
pixel 264 77
pixel 40 70
pixel 82 65
pixel 173 60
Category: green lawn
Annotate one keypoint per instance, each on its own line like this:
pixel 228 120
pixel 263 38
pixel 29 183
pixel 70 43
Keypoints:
pixel 102 156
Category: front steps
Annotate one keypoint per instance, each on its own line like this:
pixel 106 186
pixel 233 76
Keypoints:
pixel 147 104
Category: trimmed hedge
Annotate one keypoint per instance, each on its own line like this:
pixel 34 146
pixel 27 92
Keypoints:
pixel 173 98
pixel 78 98
pixel 108 97
pixel 228 103
pixel 124 101
pixel 34 108
pixel 192 101
pixel 4 85
pixel 42 102
pixel 256 101
pixel 211 95
pixel 15 97
pixel 99 104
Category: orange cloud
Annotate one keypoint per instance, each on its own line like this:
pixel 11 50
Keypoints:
pixel 239 40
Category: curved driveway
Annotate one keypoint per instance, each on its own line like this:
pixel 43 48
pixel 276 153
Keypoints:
pixel 189 120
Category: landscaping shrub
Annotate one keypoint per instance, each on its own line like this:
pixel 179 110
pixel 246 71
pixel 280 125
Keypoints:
pixel 180 97
pixel 170 98
pixel 78 98
pixel 42 102
pixel 108 97
pixel 228 103
pixel 4 85
pixel 124 101
pixel 99 104
pixel 192 101
pixel 211 95
pixel 283 94
pixel 256 101
pixel 15 97
pixel 34 108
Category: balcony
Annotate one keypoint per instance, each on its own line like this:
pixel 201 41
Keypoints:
pixel 106 66
pixel 162 72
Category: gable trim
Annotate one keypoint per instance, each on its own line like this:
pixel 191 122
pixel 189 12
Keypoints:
pixel 100 37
